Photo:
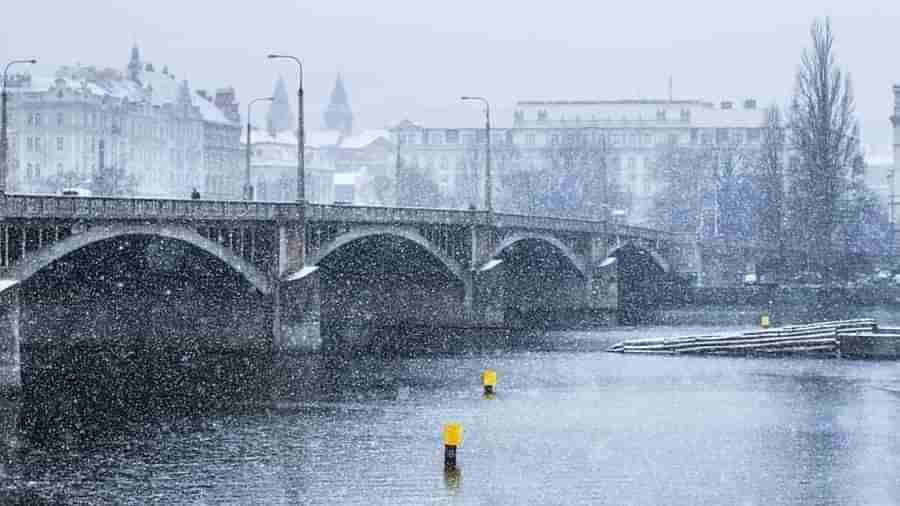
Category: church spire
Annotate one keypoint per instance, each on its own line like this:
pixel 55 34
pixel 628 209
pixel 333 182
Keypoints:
pixel 134 64
pixel 280 117
pixel 338 115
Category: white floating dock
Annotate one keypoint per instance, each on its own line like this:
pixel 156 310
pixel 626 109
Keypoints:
pixel 860 337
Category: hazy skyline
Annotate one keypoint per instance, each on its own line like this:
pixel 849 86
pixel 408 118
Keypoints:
pixel 413 60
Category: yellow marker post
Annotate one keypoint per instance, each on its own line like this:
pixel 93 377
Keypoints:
pixel 764 321
pixel 489 380
pixel 453 433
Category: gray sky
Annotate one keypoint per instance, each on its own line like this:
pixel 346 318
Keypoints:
pixel 413 59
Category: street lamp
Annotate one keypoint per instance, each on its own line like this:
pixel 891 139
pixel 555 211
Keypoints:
pixel 487 171
pixel 248 188
pixel 301 183
pixel 3 140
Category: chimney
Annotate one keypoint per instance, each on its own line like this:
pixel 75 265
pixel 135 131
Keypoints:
pixel 750 103
pixel 726 105
pixel 225 102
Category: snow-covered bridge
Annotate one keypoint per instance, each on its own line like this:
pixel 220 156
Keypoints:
pixel 344 269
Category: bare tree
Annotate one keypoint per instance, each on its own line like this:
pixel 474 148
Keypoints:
pixel 822 125
pixel 769 180
pixel 578 177
pixel 687 188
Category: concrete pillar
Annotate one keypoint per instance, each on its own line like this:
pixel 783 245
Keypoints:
pixel 487 302
pixel 291 248
pixel 698 264
pixel 297 315
pixel 10 340
pixel 604 286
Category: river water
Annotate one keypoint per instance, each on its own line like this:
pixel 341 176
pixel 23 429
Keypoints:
pixel 570 424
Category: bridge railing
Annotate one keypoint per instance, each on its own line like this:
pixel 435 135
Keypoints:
pixel 550 223
pixel 80 207
pixel 30 206
pixel 380 214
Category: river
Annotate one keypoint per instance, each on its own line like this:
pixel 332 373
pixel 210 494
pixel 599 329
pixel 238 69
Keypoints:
pixel 570 424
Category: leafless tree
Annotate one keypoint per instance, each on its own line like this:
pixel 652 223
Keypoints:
pixel 769 179
pixel 822 125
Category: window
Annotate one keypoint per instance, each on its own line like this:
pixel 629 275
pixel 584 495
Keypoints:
pixel 721 135
pixel 685 115
pixel 554 139
pixel 60 143
pixel 37 171
pixel 37 144
pixel 59 169
pixel 452 137
pixel 530 139
pixel 661 114
pixel 437 138
pixel 60 119
pixel 509 137
pixel 30 171
pixel 29 144
pixel 753 135
pixel 37 119
pixel 480 136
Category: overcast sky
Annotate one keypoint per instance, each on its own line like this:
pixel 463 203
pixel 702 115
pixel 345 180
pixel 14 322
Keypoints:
pixel 414 59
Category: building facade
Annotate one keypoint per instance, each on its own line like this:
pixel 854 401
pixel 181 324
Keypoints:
pixel 136 131
pixel 340 166
pixel 626 133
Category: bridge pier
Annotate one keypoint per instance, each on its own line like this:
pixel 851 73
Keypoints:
pixel 297 315
pixel 485 301
pixel 10 340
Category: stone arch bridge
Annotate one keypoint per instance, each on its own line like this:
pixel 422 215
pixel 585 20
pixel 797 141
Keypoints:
pixel 341 271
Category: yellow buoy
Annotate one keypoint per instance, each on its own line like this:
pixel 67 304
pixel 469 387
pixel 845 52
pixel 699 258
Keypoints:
pixel 453 434
pixel 452 439
pixel 764 321
pixel 489 380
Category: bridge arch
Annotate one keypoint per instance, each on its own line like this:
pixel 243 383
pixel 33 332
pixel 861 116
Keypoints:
pixel 33 263
pixel 415 237
pixel 657 257
pixel 560 246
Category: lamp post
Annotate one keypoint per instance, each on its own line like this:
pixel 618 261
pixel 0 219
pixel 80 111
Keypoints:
pixel 301 183
pixel 487 170
pixel 4 168
pixel 248 188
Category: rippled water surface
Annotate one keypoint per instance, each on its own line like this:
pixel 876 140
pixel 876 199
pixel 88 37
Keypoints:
pixel 570 424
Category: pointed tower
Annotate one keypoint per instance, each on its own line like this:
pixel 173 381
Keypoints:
pixel 134 65
pixel 184 98
pixel 338 115
pixel 280 117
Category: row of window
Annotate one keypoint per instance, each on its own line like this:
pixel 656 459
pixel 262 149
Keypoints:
pixel 612 138
pixel 543 116
pixel 136 127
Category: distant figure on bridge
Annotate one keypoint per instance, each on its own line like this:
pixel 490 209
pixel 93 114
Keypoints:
pixel 195 195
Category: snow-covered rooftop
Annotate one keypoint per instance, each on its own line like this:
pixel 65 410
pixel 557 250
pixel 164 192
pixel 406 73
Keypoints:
pixel 365 138
pixel 345 178
pixel 160 88
pixel 316 138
